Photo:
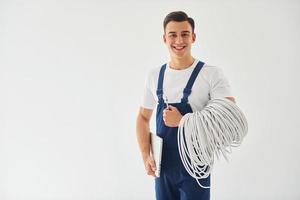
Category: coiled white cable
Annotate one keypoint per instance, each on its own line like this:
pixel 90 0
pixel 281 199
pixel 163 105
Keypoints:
pixel 211 131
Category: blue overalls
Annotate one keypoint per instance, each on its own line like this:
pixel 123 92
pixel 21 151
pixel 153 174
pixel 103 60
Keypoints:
pixel 174 182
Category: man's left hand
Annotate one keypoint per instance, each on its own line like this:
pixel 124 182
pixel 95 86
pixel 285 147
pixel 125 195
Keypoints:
pixel 171 116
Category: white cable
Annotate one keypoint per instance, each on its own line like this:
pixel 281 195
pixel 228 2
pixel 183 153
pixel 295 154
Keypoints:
pixel 211 131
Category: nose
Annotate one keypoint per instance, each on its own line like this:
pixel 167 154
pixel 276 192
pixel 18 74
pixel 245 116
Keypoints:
pixel 179 39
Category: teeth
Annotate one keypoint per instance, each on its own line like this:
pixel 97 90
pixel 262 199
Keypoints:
pixel 178 48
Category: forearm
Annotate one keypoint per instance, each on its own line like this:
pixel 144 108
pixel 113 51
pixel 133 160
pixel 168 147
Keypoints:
pixel 143 136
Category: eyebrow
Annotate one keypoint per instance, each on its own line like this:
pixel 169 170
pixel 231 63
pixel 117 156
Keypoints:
pixel 171 32
pixel 185 32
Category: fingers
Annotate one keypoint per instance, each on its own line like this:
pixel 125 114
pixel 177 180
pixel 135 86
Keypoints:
pixel 171 107
pixel 166 112
pixel 150 167
pixel 150 171
pixel 169 110
pixel 165 116
pixel 152 164
pixel 171 116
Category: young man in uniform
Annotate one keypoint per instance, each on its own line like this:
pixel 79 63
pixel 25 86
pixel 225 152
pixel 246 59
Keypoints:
pixel 185 84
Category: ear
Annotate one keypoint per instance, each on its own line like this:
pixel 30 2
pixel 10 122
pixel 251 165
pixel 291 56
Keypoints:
pixel 194 37
pixel 164 38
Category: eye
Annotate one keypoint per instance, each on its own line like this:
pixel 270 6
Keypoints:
pixel 172 35
pixel 185 35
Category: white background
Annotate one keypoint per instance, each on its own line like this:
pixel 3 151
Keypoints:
pixel 71 80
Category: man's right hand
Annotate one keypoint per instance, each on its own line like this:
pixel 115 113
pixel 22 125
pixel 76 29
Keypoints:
pixel 150 166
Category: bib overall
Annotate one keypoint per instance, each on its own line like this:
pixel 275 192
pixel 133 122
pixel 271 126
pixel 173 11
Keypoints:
pixel 174 182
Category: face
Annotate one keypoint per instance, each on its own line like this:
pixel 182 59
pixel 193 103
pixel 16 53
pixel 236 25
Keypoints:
pixel 179 38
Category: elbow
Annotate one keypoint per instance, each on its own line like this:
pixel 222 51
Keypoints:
pixel 231 99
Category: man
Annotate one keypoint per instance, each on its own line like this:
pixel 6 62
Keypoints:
pixel 185 84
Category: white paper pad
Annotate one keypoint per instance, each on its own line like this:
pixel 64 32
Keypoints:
pixel 156 150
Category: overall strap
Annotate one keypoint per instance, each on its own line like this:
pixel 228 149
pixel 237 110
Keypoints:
pixel 159 91
pixel 188 88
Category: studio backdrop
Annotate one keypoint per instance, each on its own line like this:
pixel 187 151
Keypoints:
pixel 72 75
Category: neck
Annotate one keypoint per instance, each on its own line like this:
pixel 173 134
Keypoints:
pixel 181 63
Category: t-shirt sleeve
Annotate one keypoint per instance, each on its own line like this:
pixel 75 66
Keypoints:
pixel 148 100
pixel 219 85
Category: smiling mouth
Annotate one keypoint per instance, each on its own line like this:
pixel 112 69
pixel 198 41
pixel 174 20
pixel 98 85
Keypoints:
pixel 178 48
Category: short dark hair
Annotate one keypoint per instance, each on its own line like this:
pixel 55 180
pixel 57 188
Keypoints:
pixel 179 16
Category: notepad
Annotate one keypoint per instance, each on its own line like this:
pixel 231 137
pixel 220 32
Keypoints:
pixel 156 150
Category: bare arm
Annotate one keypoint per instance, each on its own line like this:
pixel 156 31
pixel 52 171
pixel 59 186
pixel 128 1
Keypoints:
pixel 143 138
pixel 172 116
pixel 231 98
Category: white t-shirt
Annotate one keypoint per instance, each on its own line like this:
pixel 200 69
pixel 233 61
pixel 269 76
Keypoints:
pixel 209 84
